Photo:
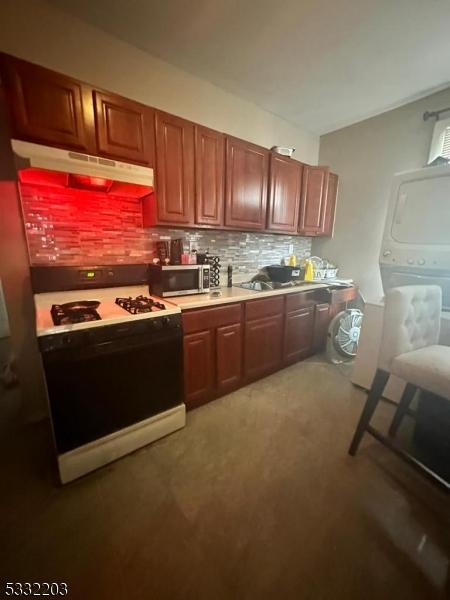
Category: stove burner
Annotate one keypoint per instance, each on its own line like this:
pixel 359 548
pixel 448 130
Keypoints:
pixel 140 304
pixel 75 312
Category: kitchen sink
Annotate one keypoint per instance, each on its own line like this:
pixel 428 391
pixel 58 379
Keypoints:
pixel 263 286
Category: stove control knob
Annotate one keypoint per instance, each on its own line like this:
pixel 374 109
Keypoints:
pixel 421 261
pixel 166 321
pixel 410 261
pixel 157 324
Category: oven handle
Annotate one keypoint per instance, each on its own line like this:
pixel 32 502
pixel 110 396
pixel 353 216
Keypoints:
pixel 112 347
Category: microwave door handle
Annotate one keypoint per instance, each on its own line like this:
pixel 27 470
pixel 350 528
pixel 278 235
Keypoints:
pixel 200 279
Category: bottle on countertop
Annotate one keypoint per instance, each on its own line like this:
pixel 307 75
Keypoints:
pixel 309 270
pixel 230 276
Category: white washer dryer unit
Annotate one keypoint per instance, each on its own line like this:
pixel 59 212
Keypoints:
pixel 415 250
pixel 416 241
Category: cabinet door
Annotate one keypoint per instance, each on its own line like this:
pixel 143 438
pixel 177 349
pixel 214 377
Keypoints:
pixel 246 185
pixel 46 107
pixel 313 202
pixel 229 357
pixel 125 129
pixel 284 194
pixel 209 176
pixel 321 322
pixel 263 346
pixel 174 169
pixel 298 334
pixel 198 367
pixel 330 207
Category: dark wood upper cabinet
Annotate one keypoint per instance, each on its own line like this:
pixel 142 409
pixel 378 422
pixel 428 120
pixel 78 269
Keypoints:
pixel 330 208
pixel 124 128
pixel 209 176
pixel 313 200
pixel 246 185
pixel 285 184
pixel 47 107
pixel 202 177
pixel 174 169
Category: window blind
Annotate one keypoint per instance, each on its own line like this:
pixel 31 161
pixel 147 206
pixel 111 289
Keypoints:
pixel 446 144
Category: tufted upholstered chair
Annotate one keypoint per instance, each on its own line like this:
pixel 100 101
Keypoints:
pixel 409 349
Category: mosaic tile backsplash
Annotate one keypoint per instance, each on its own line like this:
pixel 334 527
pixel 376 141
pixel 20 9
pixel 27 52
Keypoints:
pixel 73 227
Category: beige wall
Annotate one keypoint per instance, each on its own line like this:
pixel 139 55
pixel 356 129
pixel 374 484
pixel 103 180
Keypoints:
pixel 366 156
pixel 35 31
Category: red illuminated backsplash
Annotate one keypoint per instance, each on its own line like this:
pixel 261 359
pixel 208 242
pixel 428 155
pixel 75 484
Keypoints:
pixel 76 227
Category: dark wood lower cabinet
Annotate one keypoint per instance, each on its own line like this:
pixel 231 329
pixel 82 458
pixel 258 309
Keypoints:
pixel 228 357
pixel 198 367
pixel 321 322
pixel 263 346
pixel 229 345
pixel 298 334
pixel 212 353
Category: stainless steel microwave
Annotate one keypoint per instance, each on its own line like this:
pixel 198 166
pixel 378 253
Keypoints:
pixel 179 280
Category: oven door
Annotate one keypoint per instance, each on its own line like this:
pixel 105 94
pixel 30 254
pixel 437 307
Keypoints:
pixel 104 387
pixel 180 280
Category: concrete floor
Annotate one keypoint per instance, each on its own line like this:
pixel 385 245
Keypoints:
pixel 256 498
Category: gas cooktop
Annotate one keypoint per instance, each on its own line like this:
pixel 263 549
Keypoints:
pixel 140 304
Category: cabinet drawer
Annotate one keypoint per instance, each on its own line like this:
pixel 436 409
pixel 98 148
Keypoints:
pixel 300 300
pixel 257 309
pixel 210 318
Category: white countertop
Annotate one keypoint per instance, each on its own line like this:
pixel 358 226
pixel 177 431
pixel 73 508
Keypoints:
pixel 237 294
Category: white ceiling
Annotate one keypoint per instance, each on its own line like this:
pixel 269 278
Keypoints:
pixel 321 64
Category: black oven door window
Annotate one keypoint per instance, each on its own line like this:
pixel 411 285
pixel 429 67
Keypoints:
pixel 104 388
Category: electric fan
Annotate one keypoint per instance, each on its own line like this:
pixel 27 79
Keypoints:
pixel 343 335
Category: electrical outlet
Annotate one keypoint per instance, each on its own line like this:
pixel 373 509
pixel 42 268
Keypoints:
pixel 291 249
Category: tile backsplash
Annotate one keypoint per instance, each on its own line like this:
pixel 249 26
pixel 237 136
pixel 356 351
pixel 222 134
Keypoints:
pixel 73 227
pixel 247 252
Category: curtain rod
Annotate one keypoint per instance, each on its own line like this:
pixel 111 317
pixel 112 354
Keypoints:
pixel 434 114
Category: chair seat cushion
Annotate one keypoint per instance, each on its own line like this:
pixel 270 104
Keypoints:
pixel 428 368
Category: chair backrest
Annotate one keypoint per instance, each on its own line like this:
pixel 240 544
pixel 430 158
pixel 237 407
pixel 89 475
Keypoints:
pixel 412 319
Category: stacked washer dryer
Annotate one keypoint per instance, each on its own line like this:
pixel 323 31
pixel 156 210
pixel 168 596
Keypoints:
pixel 415 250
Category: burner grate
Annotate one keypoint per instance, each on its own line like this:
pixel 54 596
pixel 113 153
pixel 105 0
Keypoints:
pixel 140 304
pixel 74 312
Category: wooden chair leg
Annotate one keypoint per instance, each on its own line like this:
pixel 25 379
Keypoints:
pixel 406 399
pixel 379 383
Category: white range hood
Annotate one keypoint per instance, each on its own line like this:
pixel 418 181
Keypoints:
pixel 69 161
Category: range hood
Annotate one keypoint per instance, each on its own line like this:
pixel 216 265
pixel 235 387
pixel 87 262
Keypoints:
pixel 75 163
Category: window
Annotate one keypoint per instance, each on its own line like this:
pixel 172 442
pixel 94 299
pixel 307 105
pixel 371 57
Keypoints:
pixel 440 143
